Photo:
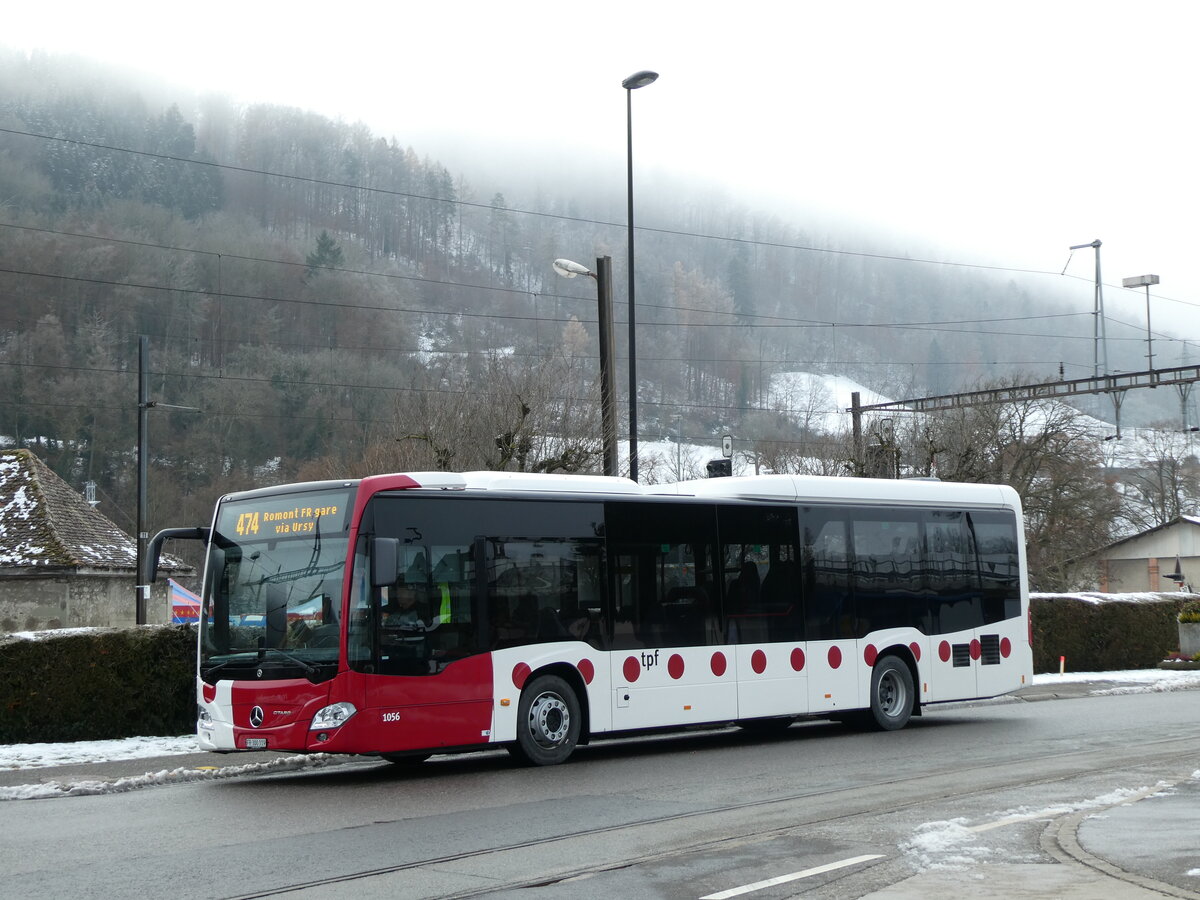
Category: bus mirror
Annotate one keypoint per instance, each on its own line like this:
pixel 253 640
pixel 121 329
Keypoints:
pixel 154 548
pixel 385 561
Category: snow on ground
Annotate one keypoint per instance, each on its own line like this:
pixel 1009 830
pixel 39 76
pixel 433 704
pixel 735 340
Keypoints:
pixel 179 775
pixel 34 756
pixel 954 844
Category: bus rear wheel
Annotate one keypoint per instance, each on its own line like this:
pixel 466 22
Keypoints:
pixel 548 722
pixel 892 695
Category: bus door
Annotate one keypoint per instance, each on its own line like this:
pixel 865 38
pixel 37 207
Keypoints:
pixel 830 619
pixel 763 608
pixel 668 665
pixel 417 633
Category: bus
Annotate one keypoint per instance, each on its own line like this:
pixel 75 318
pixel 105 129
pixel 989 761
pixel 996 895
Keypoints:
pixel 411 614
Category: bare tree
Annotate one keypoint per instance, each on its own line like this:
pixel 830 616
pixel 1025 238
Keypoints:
pixel 1163 484
pixel 516 415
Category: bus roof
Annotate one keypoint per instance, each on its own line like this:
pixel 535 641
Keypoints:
pixel 791 488
pixel 801 488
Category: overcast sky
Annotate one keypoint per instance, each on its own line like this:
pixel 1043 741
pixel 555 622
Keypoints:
pixel 996 133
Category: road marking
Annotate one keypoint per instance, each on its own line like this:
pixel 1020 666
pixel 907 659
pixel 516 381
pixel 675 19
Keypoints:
pixel 795 876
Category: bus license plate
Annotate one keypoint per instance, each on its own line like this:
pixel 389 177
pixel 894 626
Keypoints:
pixel 256 743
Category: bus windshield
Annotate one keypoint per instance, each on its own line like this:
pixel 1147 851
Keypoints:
pixel 274 585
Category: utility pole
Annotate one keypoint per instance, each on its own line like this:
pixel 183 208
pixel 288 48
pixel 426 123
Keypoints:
pixel 142 587
pixel 1100 339
pixel 145 404
pixel 856 422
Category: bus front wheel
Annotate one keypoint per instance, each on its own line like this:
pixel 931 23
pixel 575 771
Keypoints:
pixel 892 695
pixel 548 722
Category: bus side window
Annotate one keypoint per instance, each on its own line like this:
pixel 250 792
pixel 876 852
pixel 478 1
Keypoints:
pixel 655 549
pixel 545 590
pixel 998 549
pixel 950 574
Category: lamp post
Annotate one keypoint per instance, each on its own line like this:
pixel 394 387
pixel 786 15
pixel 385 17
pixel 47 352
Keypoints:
pixel 631 84
pixel 603 277
pixel 1144 281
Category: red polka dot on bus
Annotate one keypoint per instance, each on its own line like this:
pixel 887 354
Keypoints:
pixel 632 668
pixel 675 666
pixel 944 651
pixel 1005 647
pixel 758 661
pixel 835 657
pixel 520 674
pixel 976 650
pixel 870 655
pixel 798 659
pixel 587 670
pixel 916 650
pixel 718 664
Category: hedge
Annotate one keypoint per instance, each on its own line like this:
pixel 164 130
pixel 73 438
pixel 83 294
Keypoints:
pixel 95 685
pixel 1103 633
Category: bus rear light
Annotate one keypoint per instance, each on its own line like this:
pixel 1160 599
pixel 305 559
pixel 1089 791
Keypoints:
pixel 334 716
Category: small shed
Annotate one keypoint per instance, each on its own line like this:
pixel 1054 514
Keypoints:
pixel 1163 558
pixel 63 564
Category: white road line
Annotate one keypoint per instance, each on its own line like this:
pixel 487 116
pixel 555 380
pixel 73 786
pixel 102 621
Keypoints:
pixel 795 876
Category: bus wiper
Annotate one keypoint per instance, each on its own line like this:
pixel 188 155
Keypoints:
pixel 309 669
pixel 221 665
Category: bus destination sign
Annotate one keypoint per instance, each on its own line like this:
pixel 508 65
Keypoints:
pixel 285 516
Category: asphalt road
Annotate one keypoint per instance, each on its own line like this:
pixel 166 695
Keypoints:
pixel 1003 799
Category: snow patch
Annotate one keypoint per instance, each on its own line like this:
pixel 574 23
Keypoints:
pixel 52 789
pixel 953 844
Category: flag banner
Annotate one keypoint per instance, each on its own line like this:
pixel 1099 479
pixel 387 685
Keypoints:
pixel 185 606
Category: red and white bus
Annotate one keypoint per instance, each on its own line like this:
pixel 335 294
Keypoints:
pixel 411 614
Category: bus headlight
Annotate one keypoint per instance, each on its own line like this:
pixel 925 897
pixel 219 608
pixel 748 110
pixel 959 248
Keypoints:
pixel 334 716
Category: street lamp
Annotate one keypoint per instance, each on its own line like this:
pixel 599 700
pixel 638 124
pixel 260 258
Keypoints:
pixel 1144 281
pixel 631 84
pixel 603 276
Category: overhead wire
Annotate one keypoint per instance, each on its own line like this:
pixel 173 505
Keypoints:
pixel 455 201
pixel 741 320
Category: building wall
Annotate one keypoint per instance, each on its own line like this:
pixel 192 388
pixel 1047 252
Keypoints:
pixel 1179 540
pixel 1125 576
pixel 30 603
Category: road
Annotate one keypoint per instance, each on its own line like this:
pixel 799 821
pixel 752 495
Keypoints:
pixel 988 798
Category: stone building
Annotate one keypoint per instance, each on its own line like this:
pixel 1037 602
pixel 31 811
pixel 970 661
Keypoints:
pixel 63 564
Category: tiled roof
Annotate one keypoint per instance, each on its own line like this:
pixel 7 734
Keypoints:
pixel 45 523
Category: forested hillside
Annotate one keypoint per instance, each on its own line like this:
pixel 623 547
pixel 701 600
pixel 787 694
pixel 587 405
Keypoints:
pixel 334 303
